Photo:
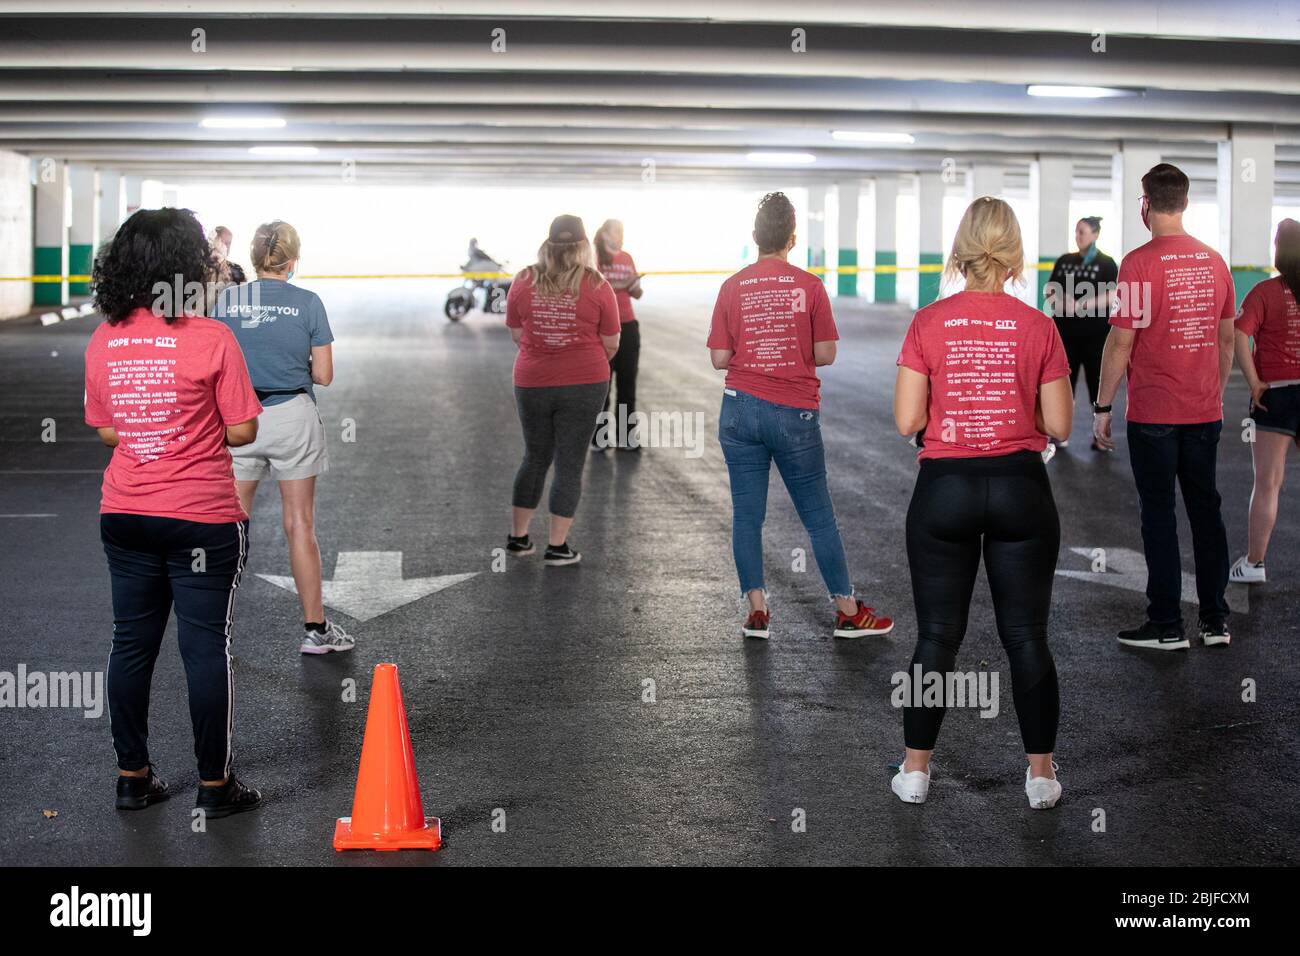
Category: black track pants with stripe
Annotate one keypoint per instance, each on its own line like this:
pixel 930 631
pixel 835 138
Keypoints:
pixel 157 563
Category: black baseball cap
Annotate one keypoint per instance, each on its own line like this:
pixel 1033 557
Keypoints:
pixel 566 230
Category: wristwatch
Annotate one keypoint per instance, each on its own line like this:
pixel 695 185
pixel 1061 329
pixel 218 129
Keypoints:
pixel 1101 409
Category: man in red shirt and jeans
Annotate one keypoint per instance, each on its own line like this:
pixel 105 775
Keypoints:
pixel 1172 332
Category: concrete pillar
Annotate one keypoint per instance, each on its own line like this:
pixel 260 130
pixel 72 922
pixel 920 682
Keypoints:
pixel 133 194
pixel 110 205
pixel 1128 167
pixel 849 196
pixel 15 234
pixel 1050 181
pixel 815 229
pixel 930 191
pixel 84 229
pixel 50 261
pixel 169 199
pixel 1245 188
pixel 985 180
pixel 886 228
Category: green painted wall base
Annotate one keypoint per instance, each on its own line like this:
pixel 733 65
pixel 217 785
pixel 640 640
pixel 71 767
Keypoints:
pixel 1044 275
pixel 927 283
pixel 1245 279
pixel 48 261
pixel 80 260
pixel 848 281
pixel 817 260
pixel 886 282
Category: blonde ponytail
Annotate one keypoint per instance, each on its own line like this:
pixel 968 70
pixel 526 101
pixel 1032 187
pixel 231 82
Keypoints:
pixel 987 249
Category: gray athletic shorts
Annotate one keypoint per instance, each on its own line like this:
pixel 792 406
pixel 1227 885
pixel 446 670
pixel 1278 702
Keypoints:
pixel 290 444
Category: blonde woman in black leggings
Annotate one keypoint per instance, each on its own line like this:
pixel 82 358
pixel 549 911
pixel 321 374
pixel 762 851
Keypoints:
pixel 563 316
pixel 986 378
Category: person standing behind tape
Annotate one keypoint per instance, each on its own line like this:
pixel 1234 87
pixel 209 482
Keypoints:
pixel 563 316
pixel 169 392
pixel 772 328
pixel 1172 337
pixel 1078 297
pixel 620 271
pixel 286 338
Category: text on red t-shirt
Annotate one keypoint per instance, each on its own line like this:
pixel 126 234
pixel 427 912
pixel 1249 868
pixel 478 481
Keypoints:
pixel 169 390
pixel 561 334
pixel 1173 292
pixel 986 355
pixel 770 314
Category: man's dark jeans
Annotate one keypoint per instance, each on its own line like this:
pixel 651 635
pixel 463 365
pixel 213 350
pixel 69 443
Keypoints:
pixel 1162 455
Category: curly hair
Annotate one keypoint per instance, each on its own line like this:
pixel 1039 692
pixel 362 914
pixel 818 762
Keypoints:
pixel 774 223
pixel 153 246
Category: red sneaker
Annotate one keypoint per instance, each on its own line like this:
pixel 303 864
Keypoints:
pixel 864 623
pixel 756 625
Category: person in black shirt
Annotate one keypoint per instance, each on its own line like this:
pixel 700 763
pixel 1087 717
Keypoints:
pixel 1078 297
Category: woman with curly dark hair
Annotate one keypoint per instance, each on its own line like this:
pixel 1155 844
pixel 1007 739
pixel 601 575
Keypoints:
pixel 168 391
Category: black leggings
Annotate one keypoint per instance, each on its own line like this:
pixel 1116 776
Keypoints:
pixel 623 366
pixel 1002 507
pixel 1084 340
pixel 557 421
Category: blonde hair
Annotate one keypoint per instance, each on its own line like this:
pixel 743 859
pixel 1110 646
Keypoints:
pixel 987 248
pixel 275 245
pixel 603 234
pixel 561 266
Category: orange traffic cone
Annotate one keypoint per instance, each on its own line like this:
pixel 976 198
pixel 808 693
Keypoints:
pixel 386 811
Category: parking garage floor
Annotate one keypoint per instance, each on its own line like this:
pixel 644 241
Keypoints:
pixel 527 691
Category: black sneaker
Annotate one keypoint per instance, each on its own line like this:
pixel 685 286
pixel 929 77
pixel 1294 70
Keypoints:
pixel 136 793
pixel 1159 637
pixel 519 546
pixel 231 797
pixel 558 555
pixel 1214 633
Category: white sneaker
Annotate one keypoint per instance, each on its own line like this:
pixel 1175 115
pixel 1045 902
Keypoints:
pixel 334 638
pixel 1243 572
pixel 1043 792
pixel 912 786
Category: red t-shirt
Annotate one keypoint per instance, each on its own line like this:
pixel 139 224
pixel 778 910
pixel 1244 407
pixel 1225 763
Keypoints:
pixel 770 314
pixel 621 269
pixel 561 341
pixel 986 355
pixel 169 391
pixel 1270 314
pixel 1173 292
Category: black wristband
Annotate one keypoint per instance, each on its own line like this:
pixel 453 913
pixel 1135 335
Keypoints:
pixel 1101 409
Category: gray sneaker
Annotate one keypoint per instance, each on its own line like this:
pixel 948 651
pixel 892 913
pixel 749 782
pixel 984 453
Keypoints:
pixel 334 638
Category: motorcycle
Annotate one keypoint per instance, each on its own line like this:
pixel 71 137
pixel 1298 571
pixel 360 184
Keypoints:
pixel 487 294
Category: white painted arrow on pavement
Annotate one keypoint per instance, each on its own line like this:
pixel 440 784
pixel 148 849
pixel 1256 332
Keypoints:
pixel 1127 569
pixel 369 583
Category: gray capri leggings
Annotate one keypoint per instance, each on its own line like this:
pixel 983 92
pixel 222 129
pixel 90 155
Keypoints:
pixel 558 421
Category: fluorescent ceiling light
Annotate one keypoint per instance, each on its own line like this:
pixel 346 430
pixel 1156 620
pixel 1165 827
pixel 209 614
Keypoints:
pixel 242 122
pixel 1076 92
pixel 785 158
pixel 283 150
pixel 870 136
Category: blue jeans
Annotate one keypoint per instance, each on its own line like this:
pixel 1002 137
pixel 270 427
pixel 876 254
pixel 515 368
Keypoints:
pixel 1163 455
pixel 754 433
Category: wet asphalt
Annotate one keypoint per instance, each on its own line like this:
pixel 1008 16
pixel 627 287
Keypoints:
pixel 610 713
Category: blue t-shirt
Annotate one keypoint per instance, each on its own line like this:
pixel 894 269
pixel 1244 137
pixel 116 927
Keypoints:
pixel 276 324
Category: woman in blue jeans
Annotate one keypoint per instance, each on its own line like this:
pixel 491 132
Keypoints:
pixel 772 326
